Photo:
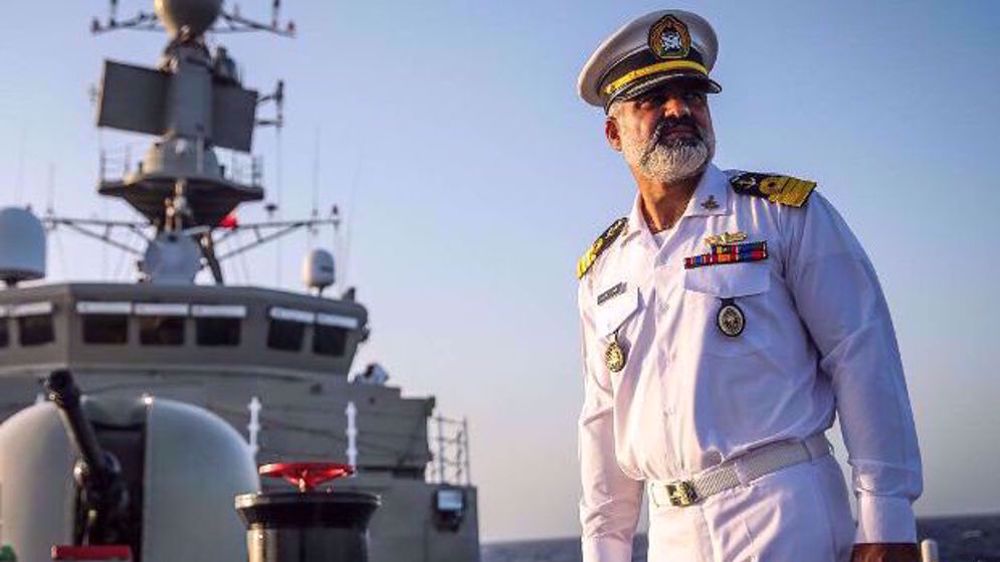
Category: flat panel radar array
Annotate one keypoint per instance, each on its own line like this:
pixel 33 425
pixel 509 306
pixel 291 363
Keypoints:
pixel 194 103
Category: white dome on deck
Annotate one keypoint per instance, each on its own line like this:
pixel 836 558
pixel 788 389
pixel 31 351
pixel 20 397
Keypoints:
pixel 22 246
pixel 318 270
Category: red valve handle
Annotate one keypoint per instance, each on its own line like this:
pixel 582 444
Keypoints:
pixel 306 475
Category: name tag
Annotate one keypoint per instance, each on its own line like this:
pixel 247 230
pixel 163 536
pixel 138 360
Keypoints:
pixel 611 293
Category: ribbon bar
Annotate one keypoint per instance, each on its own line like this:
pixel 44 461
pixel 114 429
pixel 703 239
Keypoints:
pixel 729 253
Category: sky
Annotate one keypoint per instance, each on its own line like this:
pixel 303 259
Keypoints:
pixel 471 178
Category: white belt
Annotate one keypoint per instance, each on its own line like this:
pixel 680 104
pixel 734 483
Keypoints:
pixel 739 470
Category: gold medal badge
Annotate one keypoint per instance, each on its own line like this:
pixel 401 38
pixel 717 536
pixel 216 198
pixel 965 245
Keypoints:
pixel 615 356
pixel 669 38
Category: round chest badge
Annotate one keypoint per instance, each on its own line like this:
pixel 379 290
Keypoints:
pixel 614 356
pixel 730 319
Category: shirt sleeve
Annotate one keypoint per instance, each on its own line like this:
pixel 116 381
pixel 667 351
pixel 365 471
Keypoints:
pixel 611 501
pixel 838 296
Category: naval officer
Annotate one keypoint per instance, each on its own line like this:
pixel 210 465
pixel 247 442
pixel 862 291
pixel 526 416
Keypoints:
pixel 727 321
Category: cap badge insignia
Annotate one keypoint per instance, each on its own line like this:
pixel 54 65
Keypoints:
pixel 615 356
pixel 730 318
pixel 726 238
pixel 710 204
pixel 669 38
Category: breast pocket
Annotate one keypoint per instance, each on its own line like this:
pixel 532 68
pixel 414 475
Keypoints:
pixel 726 307
pixel 618 328
pixel 612 315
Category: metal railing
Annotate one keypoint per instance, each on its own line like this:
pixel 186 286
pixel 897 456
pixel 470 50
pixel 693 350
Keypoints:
pixel 449 443
pixel 118 163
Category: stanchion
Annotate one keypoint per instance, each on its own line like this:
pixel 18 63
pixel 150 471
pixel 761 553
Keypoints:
pixel 929 551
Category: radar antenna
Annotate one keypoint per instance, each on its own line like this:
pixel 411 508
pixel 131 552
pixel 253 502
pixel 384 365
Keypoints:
pixel 198 16
pixel 208 239
pixel 278 97
pixel 187 195
pixel 143 21
pixel 236 23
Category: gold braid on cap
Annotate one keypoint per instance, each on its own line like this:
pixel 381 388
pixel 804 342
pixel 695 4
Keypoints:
pixel 653 69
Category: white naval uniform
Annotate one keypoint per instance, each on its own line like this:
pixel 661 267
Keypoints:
pixel 818 340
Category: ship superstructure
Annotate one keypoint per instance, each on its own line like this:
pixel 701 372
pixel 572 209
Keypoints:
pixel 275 364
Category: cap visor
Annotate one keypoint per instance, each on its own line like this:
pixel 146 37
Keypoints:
pixel 697 82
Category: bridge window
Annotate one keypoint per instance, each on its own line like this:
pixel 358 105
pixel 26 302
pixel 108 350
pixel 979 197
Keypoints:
pixel 218 325
pixel 161 323
pixel 106 328
pixel 330 334
pixel 329 340
pixel 34 323
pixel 218 331
pixel 104 322
pixel 285 335
pixel 161 330
pixel 287 328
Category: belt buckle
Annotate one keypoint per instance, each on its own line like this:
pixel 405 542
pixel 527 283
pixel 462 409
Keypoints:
pixel 682 493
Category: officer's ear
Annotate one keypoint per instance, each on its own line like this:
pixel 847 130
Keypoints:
pixel 612 133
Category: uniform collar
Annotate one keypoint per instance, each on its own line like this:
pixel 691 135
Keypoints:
pixel 710 197
pixel 636 226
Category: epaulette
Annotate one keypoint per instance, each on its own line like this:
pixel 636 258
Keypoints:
pixel 599 245
pixel 783 190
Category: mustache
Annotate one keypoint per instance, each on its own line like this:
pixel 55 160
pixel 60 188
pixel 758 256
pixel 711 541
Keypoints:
pixel 665 126
pixel 668 124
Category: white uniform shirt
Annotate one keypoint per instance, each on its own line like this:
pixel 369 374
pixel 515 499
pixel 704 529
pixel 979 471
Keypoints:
pixel 818 340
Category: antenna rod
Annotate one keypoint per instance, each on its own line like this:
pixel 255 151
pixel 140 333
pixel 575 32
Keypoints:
pixel 20 168
pixel 315 185
pixel 51 189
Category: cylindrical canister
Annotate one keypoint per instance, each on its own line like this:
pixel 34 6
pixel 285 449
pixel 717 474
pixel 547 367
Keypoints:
pixel 929 551
pixel 312 526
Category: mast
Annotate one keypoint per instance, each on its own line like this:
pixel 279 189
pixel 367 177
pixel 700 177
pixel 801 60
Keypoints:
pixel 193 102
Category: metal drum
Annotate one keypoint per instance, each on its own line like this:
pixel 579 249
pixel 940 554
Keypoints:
pixel 308 525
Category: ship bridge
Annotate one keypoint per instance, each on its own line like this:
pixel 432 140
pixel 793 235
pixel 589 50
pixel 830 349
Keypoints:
pixel 145 327
pixel 274 364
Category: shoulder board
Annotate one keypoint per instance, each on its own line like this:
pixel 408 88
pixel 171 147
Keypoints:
pixel 783 190
pixel 599 245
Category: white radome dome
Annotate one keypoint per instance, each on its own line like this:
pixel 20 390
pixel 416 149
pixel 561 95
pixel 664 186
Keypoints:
pixel 22 246
pixel 318 270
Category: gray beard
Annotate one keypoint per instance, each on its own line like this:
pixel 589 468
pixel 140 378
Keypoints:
pixel 669 162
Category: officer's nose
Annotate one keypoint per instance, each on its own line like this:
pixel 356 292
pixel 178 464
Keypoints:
pixel 675 106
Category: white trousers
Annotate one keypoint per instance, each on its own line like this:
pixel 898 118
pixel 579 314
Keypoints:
pixel 797 514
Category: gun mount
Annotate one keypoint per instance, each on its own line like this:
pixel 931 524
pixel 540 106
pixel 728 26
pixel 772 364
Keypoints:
pixel 103 499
